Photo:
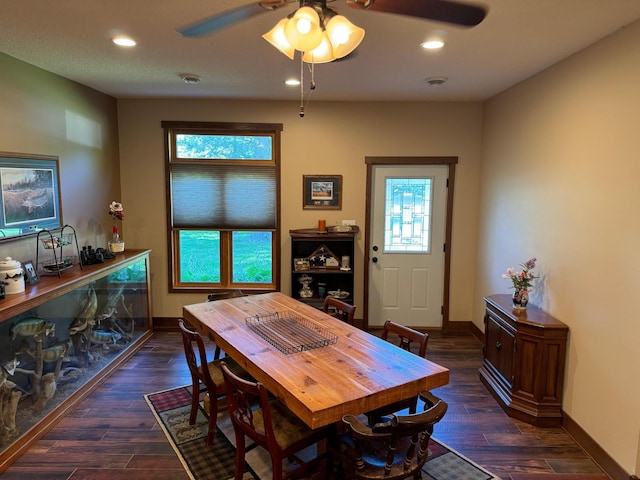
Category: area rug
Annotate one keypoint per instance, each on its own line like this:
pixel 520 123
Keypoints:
pixel 172 408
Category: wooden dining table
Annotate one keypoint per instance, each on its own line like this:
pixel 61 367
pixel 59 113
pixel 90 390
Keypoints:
pixel 348 371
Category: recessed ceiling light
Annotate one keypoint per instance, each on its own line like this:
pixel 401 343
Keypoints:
pixel 124 41
pixel 432 44
pixel 292 82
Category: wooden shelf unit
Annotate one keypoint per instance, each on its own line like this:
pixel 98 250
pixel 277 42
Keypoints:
pixel 524 358
pixel 304 243
pixel 57 299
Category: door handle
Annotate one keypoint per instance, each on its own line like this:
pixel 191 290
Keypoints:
pixel 374 259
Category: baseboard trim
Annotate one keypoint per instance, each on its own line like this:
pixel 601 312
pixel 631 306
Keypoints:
pixel 165 324
pixel 456 327
pixel 597 453
pixel 479 334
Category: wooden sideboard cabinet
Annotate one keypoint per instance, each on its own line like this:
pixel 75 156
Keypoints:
pixel 524 359
pixel 62 336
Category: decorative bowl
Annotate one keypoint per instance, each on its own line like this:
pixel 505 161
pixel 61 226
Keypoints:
pixel 338 294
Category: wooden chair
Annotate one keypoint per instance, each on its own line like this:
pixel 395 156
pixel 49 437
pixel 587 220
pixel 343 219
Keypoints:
pixel 406 338
pixel 270 425
pixel 205 377
pixel 393 450
pixel 339 309
pixel 223 295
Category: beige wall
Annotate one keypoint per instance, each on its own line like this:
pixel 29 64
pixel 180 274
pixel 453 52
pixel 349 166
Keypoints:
pixel 333 138
pixel 560 182
pixel 42 113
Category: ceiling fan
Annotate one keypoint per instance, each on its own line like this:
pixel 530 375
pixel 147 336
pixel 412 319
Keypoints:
pixel 321 35
pixel 447 11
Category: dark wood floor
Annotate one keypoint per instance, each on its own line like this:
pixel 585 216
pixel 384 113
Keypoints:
pixel 112 434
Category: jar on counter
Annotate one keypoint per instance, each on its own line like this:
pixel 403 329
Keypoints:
pixel 12 275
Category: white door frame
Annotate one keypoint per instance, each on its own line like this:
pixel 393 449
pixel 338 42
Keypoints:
pixel 395 161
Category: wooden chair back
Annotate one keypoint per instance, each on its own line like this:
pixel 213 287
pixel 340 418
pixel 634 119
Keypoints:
pixel 271 425
pixel 406 336
pixel 201 379
pixel 222 295
pixel 339 309
pixel 395 449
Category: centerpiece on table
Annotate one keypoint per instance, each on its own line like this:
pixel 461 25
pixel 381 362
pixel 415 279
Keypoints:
pixel 522 283
pixel 116 210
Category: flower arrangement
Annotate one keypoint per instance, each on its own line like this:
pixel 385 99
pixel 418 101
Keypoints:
pixel 522 282
pixel 117 212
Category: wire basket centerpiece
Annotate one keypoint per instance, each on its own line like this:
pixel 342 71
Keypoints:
pixel 289 332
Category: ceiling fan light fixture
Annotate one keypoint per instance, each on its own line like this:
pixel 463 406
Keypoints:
pixel 304 30
pixel 317 31
pixel 278 39
pixel 323 53
pixel 344 35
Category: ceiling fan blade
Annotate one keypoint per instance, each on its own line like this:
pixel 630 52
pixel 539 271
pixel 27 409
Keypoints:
pixel 440 10
pixel 230 17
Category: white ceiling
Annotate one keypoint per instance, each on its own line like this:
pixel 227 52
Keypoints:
pixel 517 39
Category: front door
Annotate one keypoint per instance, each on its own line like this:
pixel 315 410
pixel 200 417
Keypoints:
pixel 407 234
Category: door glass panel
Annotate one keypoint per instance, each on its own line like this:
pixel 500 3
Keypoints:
pixel 407 225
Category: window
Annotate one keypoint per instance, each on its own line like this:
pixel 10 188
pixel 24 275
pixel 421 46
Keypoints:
pixel 407 225
pixel 223 206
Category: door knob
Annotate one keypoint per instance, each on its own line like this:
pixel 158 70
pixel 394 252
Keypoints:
pixel 375 248
pixel 374 259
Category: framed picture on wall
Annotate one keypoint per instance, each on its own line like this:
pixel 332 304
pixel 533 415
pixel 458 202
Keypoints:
pixel 29 194
pixel 322 192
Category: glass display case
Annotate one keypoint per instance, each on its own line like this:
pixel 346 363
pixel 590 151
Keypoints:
pixel 61 336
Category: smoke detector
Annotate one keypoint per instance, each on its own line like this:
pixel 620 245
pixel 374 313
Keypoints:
pixel 190 78
pixel 436 81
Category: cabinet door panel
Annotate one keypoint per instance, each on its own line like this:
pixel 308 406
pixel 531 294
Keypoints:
pixel 537 374
pixel 527 365
pixel 499 348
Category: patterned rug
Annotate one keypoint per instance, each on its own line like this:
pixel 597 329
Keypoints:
pixel 172 407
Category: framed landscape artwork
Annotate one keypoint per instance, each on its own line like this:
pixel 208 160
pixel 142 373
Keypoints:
pixel 322 192
pixel 29 194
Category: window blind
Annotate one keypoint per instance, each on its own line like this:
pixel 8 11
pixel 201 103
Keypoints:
pixel 224 197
